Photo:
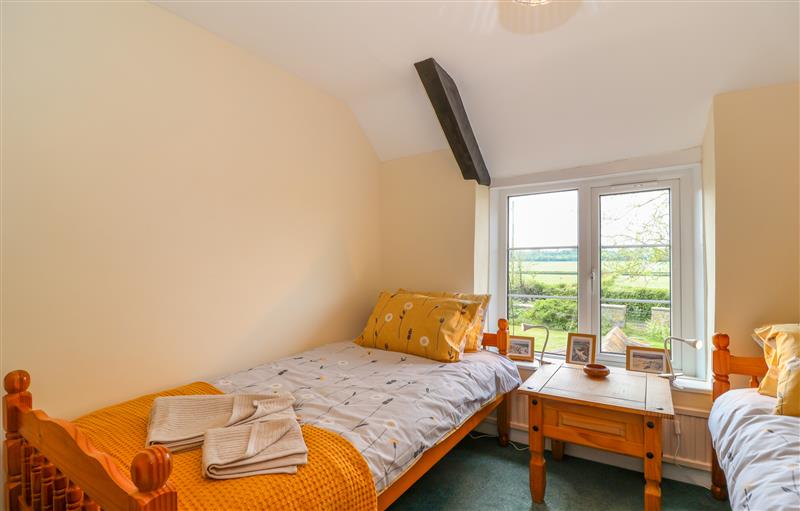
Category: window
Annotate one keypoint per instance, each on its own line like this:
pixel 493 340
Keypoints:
pixel 634 266
pixel 610 256
pixel 543 264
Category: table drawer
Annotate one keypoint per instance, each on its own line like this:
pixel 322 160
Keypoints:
pixel 594 427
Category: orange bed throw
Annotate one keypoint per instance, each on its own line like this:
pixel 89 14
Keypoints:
pixel 336 476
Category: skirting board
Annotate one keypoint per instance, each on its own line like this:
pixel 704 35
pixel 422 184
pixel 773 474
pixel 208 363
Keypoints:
pixel 684 474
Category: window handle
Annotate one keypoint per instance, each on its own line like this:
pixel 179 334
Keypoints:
pixel 592 277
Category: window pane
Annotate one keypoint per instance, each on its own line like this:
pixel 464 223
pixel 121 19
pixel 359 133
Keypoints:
pixel 543 266
pixel 543 220
pixel 635 295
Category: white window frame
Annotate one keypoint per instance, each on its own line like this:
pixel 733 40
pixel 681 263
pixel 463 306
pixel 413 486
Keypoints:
pixel 687 259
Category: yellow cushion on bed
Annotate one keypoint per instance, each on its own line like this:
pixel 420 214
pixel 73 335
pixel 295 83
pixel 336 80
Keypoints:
pixel 787 343
pixel 474 334
pixel 769 383
pixel 768 336
pixel 336 476
pixel 426 326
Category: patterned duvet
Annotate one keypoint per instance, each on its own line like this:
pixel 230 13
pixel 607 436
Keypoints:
pixel 391 406
pixel 758 451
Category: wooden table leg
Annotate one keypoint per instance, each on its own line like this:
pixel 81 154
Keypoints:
pixel 557 448
pixel 652 463
pixel 536 443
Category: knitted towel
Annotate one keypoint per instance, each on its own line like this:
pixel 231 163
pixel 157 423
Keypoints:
pixel 179 422
pixel 336 477
pixel 274 446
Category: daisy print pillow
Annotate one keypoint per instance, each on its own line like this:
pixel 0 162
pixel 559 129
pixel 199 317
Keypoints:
pixel 426 326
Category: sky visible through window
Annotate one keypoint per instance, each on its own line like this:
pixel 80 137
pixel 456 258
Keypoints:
pixel 544 220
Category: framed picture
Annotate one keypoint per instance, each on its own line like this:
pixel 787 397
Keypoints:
pixel 645 360
pixel 581 348
pixel 520 348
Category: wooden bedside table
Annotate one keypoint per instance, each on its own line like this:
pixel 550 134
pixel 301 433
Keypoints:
pixel 621 413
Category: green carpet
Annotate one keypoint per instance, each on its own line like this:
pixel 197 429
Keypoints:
pixel 480 475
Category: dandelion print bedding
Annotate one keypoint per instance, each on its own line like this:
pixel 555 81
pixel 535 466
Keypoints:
pixel 426 326
pixel 391 406
pixel 758 451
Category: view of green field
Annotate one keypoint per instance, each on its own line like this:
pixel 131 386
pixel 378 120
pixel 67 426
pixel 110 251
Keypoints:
pixel 656 274
pixel 634 269
pixel 551 279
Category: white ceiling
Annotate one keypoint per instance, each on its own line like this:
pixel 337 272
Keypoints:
pixel 549 87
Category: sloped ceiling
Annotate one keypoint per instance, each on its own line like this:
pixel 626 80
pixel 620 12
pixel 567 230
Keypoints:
pixel 549 87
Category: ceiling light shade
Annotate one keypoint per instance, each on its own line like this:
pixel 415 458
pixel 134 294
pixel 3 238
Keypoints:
pixel 531 3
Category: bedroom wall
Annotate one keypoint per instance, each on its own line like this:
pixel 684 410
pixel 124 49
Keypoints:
pixel 709 222
pixel 173 207
pixel 434 225
pixel 756 175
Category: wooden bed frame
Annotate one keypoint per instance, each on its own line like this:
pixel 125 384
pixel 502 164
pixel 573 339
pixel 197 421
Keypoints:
pixel 724 364
pixel 50 464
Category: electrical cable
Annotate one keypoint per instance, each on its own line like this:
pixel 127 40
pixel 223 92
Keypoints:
pixel 476 436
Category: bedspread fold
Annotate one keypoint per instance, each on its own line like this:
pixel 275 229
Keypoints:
pixel 336 476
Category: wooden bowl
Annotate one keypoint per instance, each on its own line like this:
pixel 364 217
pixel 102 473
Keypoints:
pixel 596 370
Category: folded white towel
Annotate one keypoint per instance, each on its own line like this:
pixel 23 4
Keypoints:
pixel 179 422
pixel 274 446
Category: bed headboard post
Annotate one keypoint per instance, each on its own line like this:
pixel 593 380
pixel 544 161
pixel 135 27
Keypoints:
pixel 498 339
pixel 724 365
pixel 50 459
pixel 502 336
pixel 721 364
pixel 150 470
pixel 16 400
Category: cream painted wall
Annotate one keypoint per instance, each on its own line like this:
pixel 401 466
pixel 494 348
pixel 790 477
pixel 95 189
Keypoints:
pixel 709 224
pixel 756 174
pixel 481 241
pixel 173 208
pixel 429 219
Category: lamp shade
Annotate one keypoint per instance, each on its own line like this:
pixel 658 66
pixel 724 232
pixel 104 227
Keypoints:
pixel 694 343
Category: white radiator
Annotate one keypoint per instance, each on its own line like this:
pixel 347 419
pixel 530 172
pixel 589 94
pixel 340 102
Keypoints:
pixel 692 448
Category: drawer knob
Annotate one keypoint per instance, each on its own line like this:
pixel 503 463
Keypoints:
pixel 536 428
pixel 649 455
pixel 535 402
pixel 650 424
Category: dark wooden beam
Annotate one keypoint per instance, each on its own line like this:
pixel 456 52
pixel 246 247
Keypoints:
pixel 446 101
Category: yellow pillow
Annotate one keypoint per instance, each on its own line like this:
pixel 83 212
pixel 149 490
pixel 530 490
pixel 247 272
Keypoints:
pixel 788 393
pixel 426 326
pixel 474 334
pixel 769 383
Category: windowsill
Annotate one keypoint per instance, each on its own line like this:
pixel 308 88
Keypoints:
pixel 693 386
pixel 684 384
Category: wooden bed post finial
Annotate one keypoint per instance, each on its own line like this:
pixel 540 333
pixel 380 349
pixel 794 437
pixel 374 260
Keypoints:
pixel 502 336
pixel 151 468
pixel 150 471
pixel 17 397
pixel 721 341
pixel 17 381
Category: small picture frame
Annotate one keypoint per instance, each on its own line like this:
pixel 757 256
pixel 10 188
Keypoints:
pixel 645 359
pixel 581 348
pixel 520 348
